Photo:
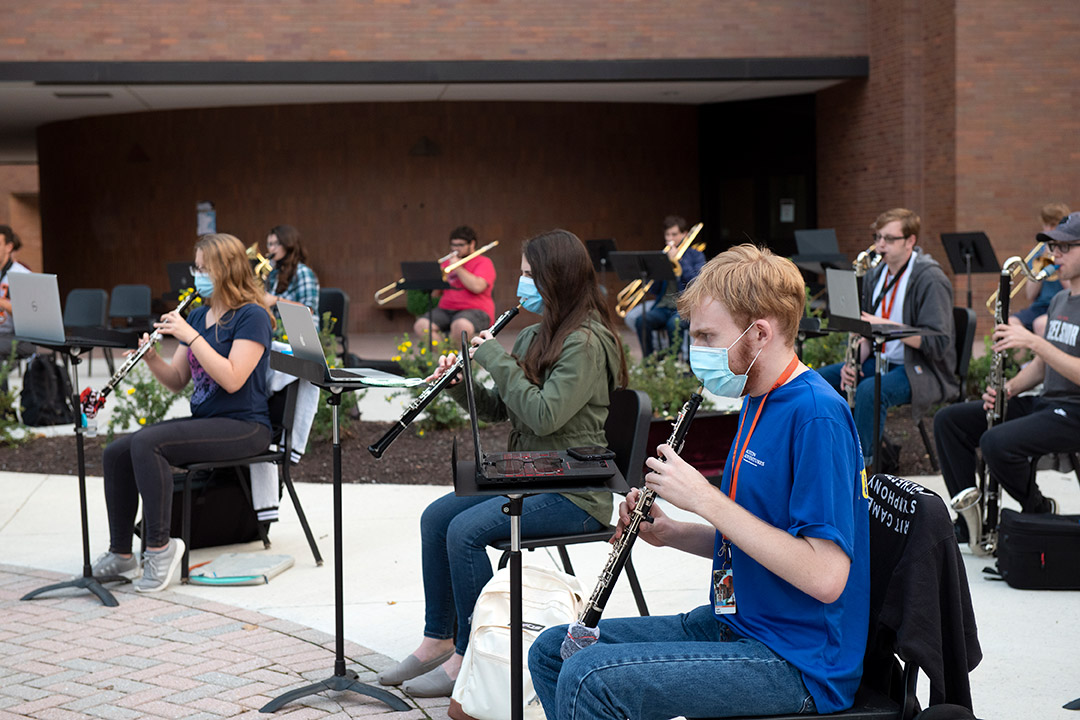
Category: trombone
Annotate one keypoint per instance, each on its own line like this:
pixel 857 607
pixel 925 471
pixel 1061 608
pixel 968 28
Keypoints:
pixel 1027 270
pixel 381 298
pixel 635 291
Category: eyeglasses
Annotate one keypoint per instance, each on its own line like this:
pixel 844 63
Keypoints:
pixel 273 243
pixel 885 238
pixel 1060 248
pixel 196 270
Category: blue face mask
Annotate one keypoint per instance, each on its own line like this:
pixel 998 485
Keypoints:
pixel 529 295
pixel 204 285
pixel 710 365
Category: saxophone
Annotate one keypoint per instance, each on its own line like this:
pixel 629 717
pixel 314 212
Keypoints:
pixel 979 506
pixel 585 632
pixel 863 263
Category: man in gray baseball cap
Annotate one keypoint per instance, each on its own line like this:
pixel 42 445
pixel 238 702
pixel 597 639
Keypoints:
pixel 1066 233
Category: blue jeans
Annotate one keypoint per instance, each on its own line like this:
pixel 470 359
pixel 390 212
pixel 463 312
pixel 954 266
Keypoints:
pixel 663 667
pixel 895 390
pixel 455 532
pixel 655 319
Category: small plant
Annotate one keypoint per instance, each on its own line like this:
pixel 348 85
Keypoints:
pixel 979 370
pixel 667 380
pixel 442 412
pixel 141 400
pixel 11 430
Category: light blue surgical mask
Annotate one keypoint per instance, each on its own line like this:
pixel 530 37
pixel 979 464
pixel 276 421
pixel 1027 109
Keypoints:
pixel 204 285
pixel 529 295
pixel 710 365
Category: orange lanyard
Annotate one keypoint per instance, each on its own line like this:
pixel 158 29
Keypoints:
pixel 738 458
pixel 887 307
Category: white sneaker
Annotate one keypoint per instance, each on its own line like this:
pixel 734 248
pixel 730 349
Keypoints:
pixel 159 568
pixel 110 565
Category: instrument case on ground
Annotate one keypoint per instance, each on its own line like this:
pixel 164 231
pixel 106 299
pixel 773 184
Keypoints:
pixel 1039 551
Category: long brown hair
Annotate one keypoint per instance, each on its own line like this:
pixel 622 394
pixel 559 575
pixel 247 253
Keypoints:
pixel 234 283
pixel 289 237
pixel 566 281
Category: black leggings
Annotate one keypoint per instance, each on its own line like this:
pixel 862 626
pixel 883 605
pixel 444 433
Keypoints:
pixel 139 464
pixel 1034 426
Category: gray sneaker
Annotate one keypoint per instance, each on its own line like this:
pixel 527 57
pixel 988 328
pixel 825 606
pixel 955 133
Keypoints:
pixel 159 568
pixel 111 565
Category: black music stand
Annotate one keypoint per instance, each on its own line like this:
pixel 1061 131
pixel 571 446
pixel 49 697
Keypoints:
pixel 71 348
pixel 515 493
pixel 818 249
pixel 342 679
pixel 970 252
pixel 599 250
pixel 423 275
pixel 650 266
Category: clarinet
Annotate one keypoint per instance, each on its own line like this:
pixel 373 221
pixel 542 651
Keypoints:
pixel 424 399
pixel 92 401
pixel 584 632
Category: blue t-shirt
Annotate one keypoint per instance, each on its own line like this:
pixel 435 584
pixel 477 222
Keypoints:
pixel 208 399
pixel 803 472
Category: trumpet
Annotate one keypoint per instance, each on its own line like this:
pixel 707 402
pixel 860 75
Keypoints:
pixel 1036 267
pixel 262 267
pixel 381 298
pixel 635 290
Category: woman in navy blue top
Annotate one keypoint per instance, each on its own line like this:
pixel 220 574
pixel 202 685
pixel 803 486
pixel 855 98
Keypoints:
pixel 224 350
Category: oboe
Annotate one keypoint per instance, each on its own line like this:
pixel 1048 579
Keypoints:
pixel 424 399
pixel 92 401
pixel 585 632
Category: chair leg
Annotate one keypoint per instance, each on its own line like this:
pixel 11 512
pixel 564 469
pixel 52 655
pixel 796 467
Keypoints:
pixel 1076 465
pixel 929 446
pixel 300 512
pixel 185 531
pixel 635 586
pixel 109 360
pixel 565 558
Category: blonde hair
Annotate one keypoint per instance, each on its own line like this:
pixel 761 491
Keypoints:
pixel 1052 213
pixel 910 224
pixel 752 283
pixel 230 270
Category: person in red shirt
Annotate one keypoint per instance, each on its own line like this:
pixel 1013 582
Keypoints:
pixel 467 304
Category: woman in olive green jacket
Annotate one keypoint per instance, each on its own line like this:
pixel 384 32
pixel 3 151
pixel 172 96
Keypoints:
pixel 553 388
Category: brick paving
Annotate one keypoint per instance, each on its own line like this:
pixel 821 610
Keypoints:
pixel 64 655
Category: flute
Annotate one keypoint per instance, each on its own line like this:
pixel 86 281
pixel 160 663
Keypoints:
pixel 92 401
pixel 424 399
pixel 585 632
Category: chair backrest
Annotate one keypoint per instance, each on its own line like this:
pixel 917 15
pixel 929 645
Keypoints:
pixel 627 430
pixel 130 301
pixel 336 302
pixel 964 322
pixel 86 307
pixel 282 406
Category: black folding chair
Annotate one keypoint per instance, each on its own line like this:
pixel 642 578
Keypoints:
pixel 87 308
pixel 627 431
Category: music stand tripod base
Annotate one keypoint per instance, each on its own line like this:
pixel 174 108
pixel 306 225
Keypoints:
pixel 342 679
pixel 71 351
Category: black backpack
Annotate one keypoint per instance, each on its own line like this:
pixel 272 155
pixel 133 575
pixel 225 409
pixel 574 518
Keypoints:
pixel 46 393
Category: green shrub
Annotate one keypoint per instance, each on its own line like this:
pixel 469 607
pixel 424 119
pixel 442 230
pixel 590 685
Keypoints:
pixel 12 432
pixel 416 361
pixel 322 427
pixel 139 399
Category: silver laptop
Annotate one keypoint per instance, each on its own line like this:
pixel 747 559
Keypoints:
pixel 306 345
pixel 35 308
pixel 843 293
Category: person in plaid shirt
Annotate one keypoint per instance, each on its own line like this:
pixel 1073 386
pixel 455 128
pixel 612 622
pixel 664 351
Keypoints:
pixel 290 279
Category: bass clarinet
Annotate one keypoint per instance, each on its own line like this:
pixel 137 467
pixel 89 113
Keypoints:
pixel 863 264
pixel 92 401
pixel 424 399
pixel 585 632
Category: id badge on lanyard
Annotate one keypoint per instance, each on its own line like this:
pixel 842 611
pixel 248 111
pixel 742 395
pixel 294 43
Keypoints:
pixel 724 583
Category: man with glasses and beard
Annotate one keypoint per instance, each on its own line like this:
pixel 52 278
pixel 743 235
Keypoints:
pixel 908 286
pixel 1034 425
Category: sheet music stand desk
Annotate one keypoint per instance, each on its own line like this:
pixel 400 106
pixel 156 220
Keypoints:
pixel 599 250
pixel 342 679
pixel 423 275
pixel 878 334
pixel 651 266
pixel 465 485
pixel 89 338
pixel 970 252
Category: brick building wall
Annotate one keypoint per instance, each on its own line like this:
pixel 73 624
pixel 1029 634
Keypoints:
pixel 341 30
pixel 119 193
pixel 19 210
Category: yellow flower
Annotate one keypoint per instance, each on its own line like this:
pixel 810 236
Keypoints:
pixel 421 433
pixel 131 391
pixel 408 344
pixel 434 343
pixel 423 351
pixel 396 358
pixel 142 421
